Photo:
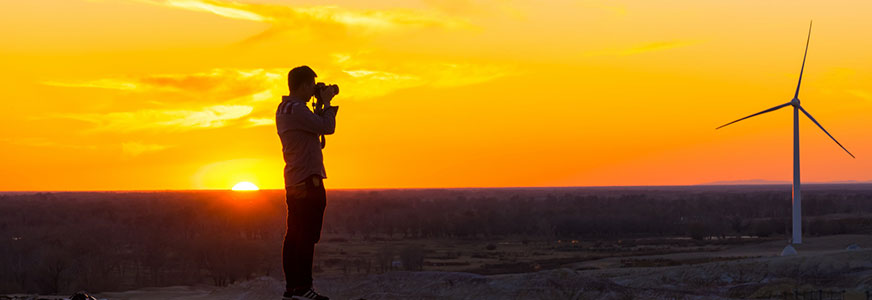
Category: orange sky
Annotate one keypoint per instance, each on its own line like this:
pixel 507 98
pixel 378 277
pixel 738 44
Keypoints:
pixel 181 94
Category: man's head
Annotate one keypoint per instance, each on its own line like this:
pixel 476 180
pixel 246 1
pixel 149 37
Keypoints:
pixel 301 82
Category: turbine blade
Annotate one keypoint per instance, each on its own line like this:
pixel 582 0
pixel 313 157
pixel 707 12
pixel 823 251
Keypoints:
pixel 759 113
pixel 796 96
pixel 825 131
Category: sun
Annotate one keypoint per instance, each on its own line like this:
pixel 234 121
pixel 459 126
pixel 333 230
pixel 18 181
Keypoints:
pixel 245 186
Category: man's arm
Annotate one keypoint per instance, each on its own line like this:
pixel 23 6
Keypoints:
pixel 308 121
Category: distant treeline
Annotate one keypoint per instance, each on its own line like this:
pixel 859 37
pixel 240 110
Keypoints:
pixel 63 242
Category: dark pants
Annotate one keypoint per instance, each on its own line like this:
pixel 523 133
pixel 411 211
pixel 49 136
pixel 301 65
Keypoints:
pixel 306 202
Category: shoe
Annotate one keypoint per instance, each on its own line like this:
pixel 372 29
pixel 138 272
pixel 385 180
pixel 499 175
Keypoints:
pixel 304 294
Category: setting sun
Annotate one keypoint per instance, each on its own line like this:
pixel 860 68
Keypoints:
pixel 245 186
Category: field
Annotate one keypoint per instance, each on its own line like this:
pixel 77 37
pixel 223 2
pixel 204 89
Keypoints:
pixel 58 243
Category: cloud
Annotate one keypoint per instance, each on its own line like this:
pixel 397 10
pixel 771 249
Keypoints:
pixel 246 97
pixel 657 46
pixel 862 94
pixel 217 79
pixel 365 84
pixel 610 6
pixel 131 149
pixel 283 17
pixel 364 78
pixel 112 84
pixel 232 94
pixel 644 48
pixel 479 7
pixel 171 119
pixel 43 142
pixel 226 83
pixel 360 78
pixel 225 9
pixel 253 122
pixel 451 75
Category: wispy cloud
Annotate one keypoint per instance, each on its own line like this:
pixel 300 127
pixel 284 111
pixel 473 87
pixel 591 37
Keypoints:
pixel 246 98
pixel 232 94
pixel 479 7
pixel 283 17
pixel 609 6
pixel 368 79
pixel 644 48
pixel 366 84
pixel 226 83
pixel 360 78
pixel 253 122
pixel 43 142
pixel 112 84
pixel 459 74
pixel 230 10
pixel 865 95
pixel 132 149
pixel 172 119
pixel 657 46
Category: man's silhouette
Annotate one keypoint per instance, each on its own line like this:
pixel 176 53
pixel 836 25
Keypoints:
pixel 299 129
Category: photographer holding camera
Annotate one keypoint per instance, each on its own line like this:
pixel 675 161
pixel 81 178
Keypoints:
pixel 299 130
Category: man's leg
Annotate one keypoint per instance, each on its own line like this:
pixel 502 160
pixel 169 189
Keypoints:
pixel 297 259
pixel 305 217
pixel 297 249
pixel 319 204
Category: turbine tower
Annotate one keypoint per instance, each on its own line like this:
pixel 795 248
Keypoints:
pixel 797 199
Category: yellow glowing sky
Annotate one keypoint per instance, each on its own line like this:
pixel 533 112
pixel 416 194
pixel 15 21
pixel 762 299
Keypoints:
pixel 181 94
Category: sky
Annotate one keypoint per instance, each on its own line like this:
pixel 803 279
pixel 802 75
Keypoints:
pixel 181 94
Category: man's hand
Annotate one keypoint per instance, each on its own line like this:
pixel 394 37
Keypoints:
pixel 326 95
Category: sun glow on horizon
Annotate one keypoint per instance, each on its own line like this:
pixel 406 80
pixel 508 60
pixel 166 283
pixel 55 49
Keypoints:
pixel 245 186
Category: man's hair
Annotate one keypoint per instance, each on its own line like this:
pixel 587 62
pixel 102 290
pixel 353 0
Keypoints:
pixel 299 76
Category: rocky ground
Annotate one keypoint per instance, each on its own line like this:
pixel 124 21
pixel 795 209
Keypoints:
pixel 753 271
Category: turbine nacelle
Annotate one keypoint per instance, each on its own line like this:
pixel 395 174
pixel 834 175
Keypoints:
pixel 795 102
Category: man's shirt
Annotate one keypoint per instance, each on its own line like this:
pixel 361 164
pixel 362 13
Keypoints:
pixel 299 129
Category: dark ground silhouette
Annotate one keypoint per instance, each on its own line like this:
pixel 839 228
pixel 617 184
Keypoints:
pixel 102 241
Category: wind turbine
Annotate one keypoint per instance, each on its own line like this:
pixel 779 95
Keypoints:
pixel 797 199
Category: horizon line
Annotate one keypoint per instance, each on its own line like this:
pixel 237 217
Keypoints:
pixel 706 184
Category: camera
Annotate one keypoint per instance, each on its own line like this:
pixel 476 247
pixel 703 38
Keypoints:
pixel 332 88
pixel 318 106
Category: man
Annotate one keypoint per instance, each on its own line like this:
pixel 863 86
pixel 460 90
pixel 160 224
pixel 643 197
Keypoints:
pixel 299 130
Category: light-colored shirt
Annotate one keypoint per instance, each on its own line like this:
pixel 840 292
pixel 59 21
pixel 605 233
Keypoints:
pixel 299 129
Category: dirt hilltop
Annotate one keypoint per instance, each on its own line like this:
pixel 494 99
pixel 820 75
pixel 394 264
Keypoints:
pixel 746 275
pixel 839 264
